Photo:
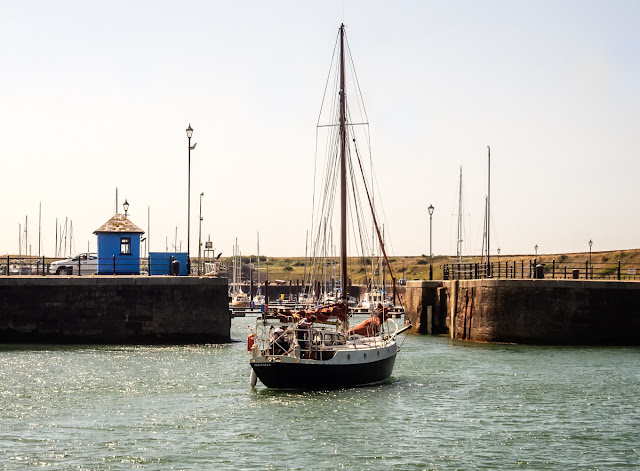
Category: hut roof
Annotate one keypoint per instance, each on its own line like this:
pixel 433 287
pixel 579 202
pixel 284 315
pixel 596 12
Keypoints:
pixel 119 223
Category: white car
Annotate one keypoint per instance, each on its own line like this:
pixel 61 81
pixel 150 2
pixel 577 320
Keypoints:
pixel 69 266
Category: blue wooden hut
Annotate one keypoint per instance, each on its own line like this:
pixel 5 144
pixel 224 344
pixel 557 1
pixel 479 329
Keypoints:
pixel 119 246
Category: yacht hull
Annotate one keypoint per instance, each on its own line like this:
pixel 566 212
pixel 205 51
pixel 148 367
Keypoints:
pixel 321 374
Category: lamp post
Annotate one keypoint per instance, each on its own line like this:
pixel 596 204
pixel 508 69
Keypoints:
pixel 498 262
pixel 125 205
pixel 430 209
pixel 189 134
pixel 590 264
pixel 200 236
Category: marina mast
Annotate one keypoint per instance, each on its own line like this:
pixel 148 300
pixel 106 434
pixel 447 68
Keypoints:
pixel 459 250
pixel 343 176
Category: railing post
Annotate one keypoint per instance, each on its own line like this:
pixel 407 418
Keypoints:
pixel 565 272
pixel 44 266
pixel 79 274
pixel 114 264
pixel 618 269
pixel 8 263
pixel 554 269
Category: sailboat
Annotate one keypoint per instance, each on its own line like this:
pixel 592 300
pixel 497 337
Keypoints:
pixel 239 299
pixel 318 349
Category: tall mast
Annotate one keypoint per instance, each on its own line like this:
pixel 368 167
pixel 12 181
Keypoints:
pixel 488 208
pixel 343 175
pixel 460 219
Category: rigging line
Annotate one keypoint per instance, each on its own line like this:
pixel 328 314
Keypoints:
pixel 358 204
pixel 384 252
pixel 337 125
pixel 329 136
pixel 355 76
pixel 326 86
pixel 326 209
pixel 357 82
pixel 384 216
pixel 358 210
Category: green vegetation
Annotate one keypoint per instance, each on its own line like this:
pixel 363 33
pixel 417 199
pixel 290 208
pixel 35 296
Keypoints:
pixel 417 267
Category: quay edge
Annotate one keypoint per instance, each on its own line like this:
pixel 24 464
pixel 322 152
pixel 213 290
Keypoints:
pixel 139 310
pixel 527 311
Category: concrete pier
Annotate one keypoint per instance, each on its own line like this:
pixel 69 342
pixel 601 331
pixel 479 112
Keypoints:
pixel 560 312
pixel 114 310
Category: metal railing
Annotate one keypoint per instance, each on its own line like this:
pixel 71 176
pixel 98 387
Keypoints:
pixel 538 269
pixel 29 266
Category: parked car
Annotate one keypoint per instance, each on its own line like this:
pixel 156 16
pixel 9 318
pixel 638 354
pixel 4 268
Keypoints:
pixel 69 266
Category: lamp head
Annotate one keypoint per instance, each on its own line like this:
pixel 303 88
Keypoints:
pixel 125 205
pixel 189 131
pixel 430 209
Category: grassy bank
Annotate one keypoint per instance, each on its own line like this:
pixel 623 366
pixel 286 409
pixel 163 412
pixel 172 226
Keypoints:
pixel 417 267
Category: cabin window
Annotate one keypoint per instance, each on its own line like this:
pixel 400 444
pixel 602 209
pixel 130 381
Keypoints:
pixel 125 245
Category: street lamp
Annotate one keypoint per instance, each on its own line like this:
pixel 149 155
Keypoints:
pixel 189 134
pixel 430 209
pixel 590 264
pixel 200 235
pixel 125 205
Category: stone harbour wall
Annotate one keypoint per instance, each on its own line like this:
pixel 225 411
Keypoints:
pixel 114 310
pixel 560 312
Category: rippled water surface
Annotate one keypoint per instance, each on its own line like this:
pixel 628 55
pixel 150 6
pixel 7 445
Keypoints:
pixel 449 405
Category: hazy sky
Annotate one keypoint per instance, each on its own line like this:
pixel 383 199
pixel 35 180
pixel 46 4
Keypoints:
pixel 97 95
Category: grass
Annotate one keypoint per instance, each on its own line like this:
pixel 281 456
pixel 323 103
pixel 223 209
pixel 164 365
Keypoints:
pixel 417 266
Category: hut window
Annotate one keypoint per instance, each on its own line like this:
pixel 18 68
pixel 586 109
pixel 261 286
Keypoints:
pixel 125 245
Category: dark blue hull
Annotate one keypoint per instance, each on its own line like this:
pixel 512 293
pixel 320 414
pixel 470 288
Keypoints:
pixel 319 375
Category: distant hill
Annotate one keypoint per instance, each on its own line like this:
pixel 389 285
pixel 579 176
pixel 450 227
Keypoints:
pixel 417 267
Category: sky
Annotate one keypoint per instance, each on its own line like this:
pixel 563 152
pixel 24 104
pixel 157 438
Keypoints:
pixel 97 96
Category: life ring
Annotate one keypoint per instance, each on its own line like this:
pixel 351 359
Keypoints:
pixel 250 341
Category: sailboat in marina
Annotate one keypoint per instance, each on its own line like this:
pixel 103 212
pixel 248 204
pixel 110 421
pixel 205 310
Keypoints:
pixel 318 349
pixel 239 299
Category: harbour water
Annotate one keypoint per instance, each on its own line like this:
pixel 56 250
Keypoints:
pixel 449 405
